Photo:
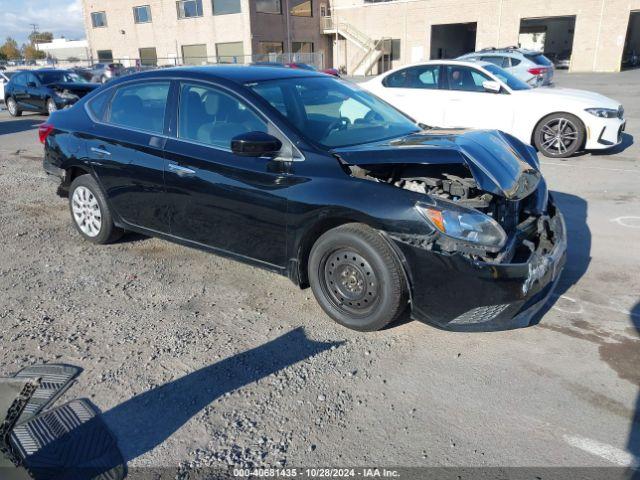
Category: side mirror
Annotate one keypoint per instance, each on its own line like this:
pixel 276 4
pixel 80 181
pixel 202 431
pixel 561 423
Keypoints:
pixel 31 84
pixel 491 86
pixel 255 144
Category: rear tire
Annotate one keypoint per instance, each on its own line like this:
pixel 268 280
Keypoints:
pixel 90 212
pixel 357 278
pixel 13 108
pixel 51 106
pixel 559 135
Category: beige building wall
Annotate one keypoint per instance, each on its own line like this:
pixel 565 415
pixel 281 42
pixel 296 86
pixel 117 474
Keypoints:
pixel 168 34
pixel 599 37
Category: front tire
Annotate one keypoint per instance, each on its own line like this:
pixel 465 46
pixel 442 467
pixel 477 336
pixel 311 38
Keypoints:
pixel 51 106
pixel 559 135
pixel 357 278
pixel 90 212
pixel 13 108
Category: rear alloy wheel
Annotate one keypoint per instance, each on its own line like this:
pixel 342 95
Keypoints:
pixel 51 106
pixel 357 278
pixel 90 213
pixel 559 135
pixel 12 106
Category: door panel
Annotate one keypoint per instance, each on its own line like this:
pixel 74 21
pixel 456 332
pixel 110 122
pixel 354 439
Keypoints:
pixel 217 198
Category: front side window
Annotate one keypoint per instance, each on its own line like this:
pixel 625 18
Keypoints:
pixel 142 14
pixel 99 19
pixel 212 117
pixel 496 60
pixel 301 8
pixel 268 6
pixel 512 82
pixel 140 106
pixel 333 113
pixel 189 8
pixel 465 79
pixel 424 77
pixel 225 7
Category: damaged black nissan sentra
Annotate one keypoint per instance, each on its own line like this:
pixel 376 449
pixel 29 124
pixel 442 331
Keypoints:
pixel 316 179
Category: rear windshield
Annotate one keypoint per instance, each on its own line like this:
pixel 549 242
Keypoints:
pixel 539 59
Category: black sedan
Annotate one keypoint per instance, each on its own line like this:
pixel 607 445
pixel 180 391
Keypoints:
pixel 45 91
pixel 313 178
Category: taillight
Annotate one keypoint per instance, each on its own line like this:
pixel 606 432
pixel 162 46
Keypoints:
pixel 537 70
pixel 43 131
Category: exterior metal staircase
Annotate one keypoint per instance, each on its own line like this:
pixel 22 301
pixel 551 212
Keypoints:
pixel 373 49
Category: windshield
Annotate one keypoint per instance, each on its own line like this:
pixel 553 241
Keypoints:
pixel 512 82
pixel 332 112
pixel 59 77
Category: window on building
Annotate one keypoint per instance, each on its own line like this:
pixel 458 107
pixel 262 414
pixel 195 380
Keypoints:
pixel 268 6
pixel 225 7
pixel 99 19
pixel 105 56
pixel 395 49
pixel 232 52
pixel 301 8
pixel 140 106
pixel 142 14
pixel 302 47
pixel 189 8
pixel 148 56
pixel 270 47
pixel 210 116
pixel 194 54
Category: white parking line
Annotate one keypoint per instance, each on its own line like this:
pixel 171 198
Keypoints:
pixel 603 450
pixel 592 168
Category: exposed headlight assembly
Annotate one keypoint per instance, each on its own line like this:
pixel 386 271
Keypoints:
pixel 67 95
pixel 603 112
pixel 465 225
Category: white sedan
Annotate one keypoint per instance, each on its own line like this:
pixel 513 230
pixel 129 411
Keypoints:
pixel 448 93
pixel 4 79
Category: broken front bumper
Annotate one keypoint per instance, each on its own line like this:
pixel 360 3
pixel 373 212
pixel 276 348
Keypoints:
pixel 457 293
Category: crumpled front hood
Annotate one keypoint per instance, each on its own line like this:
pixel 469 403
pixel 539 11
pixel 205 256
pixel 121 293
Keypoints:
pixel 499 163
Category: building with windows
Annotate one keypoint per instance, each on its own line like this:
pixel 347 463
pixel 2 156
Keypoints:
pixel 162 32
pixel 370 35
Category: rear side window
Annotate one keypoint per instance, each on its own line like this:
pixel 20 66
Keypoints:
pixel 98 105
pixel 423 77
pixel 539 59
pixel 140 106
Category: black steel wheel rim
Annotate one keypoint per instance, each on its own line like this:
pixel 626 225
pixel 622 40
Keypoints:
pixel 349 282
pixel 559 135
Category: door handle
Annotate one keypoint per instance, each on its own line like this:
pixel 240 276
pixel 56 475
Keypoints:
pixel 180 170
pixel 100 151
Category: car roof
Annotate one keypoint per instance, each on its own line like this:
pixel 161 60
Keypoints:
pixel 460 62
pixel 240 74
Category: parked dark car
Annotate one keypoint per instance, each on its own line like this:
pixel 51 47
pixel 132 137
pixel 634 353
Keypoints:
pixel 45 91
pixel 313 178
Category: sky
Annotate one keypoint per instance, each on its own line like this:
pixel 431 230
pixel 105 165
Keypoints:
pixel 61 17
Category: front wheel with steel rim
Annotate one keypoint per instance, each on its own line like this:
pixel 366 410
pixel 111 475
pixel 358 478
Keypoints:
pixel 559 135
pixel 357 278
pixel 12 106
pixel 51 106
pixel 90 212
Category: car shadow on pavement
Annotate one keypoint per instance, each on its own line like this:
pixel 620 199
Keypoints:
pixel 575 212
pixel 148 419
pixel 633 444
pixel 17 126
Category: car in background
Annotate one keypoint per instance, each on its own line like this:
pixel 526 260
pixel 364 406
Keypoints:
pixel 531 67
pixel 83 72
pixel 4 79
pixel 450 93
pixel 314 178
pixel 103 72
pixel 45 91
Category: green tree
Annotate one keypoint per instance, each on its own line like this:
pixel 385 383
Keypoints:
pixel 31 52
pixel 10 49
pixel 40 37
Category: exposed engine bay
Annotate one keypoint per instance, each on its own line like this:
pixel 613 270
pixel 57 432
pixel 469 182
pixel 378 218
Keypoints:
pixel 528 222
